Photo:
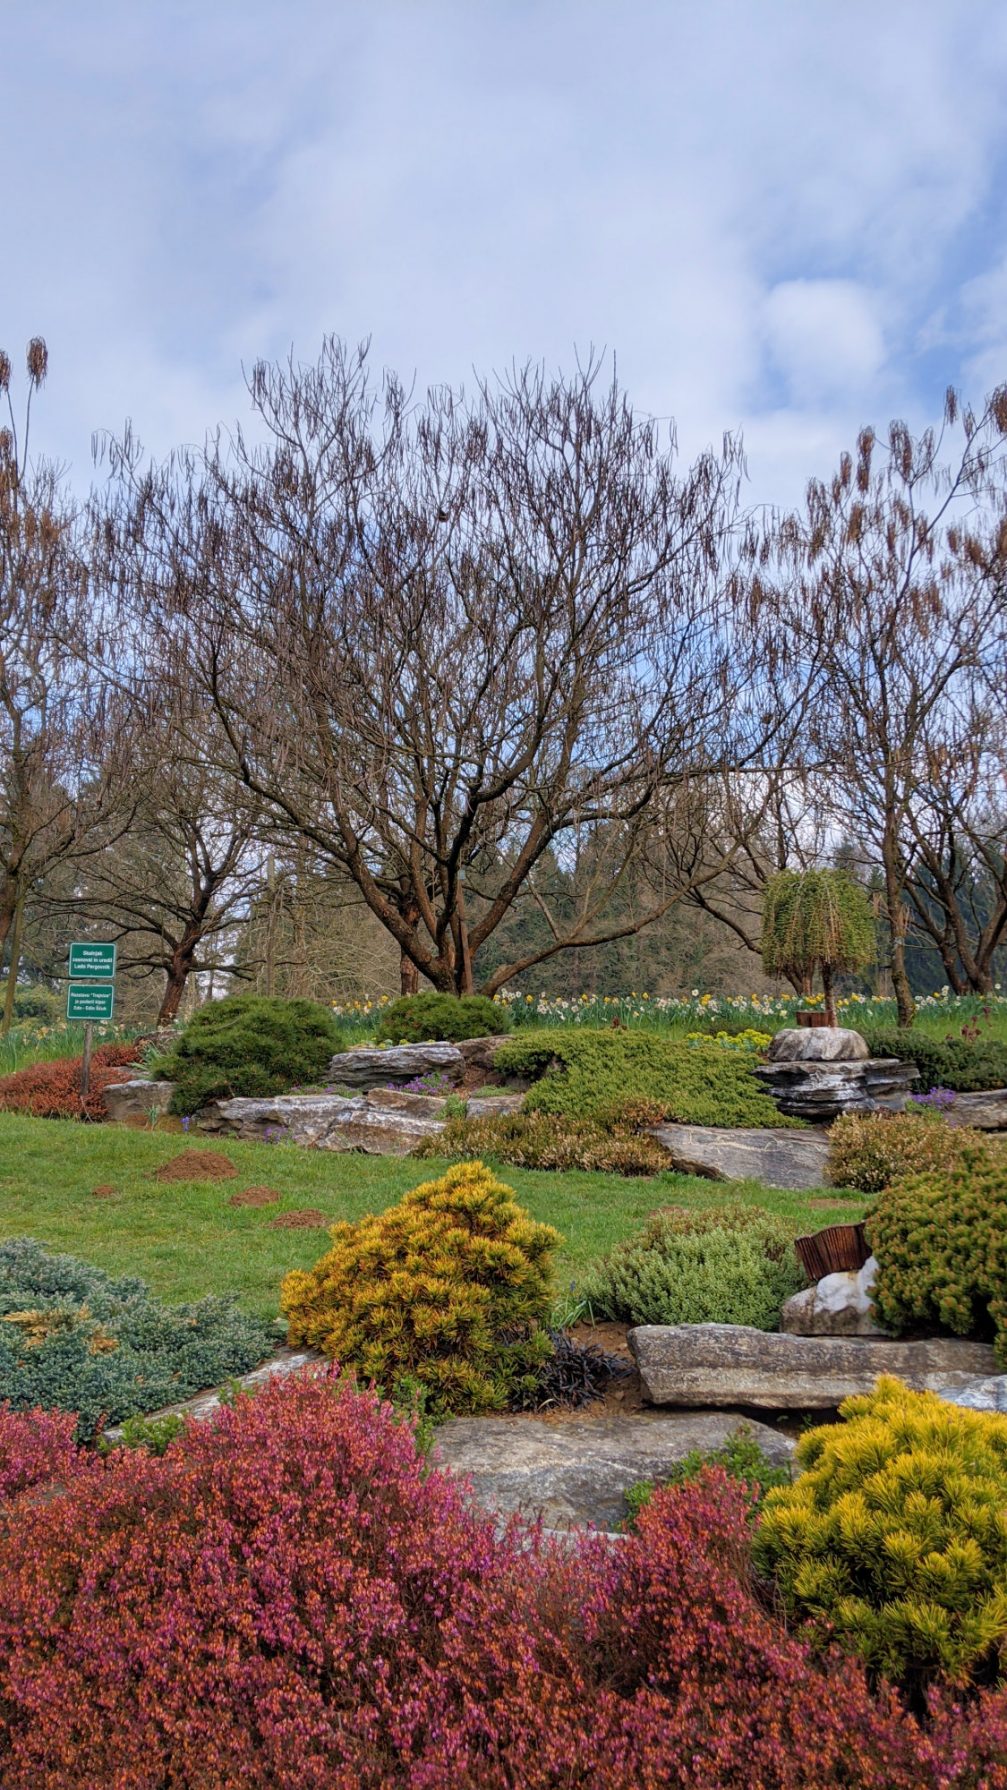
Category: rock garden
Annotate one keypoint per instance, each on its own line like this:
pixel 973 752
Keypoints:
pixel 580 1349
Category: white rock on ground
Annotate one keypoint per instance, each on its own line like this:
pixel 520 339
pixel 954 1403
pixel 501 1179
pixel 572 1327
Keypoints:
pixel 840 1305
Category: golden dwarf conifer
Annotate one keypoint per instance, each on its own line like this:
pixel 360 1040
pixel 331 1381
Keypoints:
pixel 450 1288
pixel 894 1535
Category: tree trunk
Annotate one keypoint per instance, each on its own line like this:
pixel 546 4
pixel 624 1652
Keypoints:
pixel 14 966
pixel 177 977
pixel 830 1001
pixel 409 976
pixel 897 921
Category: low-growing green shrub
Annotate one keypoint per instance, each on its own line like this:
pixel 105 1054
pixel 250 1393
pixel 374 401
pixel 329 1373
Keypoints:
pixel 546 1141
pixel 414 1018
pixel 941 1243
pixel 727 1265
pixel 869 1150
pixel 740 1457
pixel 894 1534
pixel 452 1287
pixel 592 1074
pixel 251 1045
pixel 74 1339
pixel 943 1063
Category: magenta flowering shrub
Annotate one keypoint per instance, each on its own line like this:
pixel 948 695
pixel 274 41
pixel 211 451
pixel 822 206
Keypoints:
pixel 290 1598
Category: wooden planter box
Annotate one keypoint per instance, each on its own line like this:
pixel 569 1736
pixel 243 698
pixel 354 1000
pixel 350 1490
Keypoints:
pixel 811 1017
pixel 837 1249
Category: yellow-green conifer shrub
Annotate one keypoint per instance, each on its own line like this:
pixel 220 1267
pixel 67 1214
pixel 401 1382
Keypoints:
pixel 894 1535
pixel 450 1287
pixel 941 1244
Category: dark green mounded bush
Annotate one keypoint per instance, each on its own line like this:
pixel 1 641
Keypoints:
pixel 943 1063
pixel 594 1073
pixel 415 1018
pixel 941 1243
pixel 730 1265
pixel 249 1044
pixel 74 1339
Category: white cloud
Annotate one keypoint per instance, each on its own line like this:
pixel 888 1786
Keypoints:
pixel 754 203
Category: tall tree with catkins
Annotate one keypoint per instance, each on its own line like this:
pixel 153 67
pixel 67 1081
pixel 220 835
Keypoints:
pixel 894 574
pixel 64 745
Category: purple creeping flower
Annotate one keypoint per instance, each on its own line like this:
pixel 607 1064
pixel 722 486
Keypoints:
pixel 186 1122
pixel 939 1098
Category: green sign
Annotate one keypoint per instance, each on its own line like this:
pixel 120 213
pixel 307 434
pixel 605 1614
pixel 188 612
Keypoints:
pixel 91 959
pixel 83 1002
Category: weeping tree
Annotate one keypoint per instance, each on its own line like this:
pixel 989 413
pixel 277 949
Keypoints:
pixel 816 920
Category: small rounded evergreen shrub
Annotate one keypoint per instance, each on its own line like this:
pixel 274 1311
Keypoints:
pixel 545 1141
pixel 416 1018
pixel 249 1044
pixel 451 1287
pixel 731 1265
pixel 941 1243
pixel 869 1150
pixel 894 1535
pixel 943 1063
pixel 593 1073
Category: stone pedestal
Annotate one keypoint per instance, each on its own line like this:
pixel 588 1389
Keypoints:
pixel 823 1071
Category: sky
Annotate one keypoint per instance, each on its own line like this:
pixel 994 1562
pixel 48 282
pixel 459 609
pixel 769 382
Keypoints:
pixel 781 217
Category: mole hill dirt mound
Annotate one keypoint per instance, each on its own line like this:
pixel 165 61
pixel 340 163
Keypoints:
pixel 197 1165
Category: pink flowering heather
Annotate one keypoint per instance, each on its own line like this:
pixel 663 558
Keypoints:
pixel 290 1598
pixel 35 1448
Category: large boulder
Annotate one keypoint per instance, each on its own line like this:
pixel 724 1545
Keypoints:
pixel 579 1472
pixel 840 1305
pixel 777 1158
pixel 818 1044
pixel 986 1111
pixel 373 1067
pixel 730 1364
pixel 128 1101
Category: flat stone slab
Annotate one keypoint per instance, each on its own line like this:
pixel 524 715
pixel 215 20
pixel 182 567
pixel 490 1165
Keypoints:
pixel 372 1123
pixel 204 1404
pixel 779 1158
pixel 982 1395
pixel 373 1067
pixel 137 1099
pixel 731 1364
pixel 576 1473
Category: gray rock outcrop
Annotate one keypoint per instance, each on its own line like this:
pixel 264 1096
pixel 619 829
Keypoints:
pixel 375 1068
pixel 981 1395
pixel 579 1472
pixel 840 1305
pixel 730 1364
pixel 372 1123
pixel 820 1091
pixel 778 1158
pixel 818 1044
pixel 137 1099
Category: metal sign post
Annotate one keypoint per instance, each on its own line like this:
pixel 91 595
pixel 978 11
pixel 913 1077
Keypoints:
pixel 92 1000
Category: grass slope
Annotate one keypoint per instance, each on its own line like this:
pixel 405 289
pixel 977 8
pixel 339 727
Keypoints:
pixel 185 1240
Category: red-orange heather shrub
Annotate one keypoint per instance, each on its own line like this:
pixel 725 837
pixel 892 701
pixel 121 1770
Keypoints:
pixel 288 1598
pixel 52 1090
pixel 35 1448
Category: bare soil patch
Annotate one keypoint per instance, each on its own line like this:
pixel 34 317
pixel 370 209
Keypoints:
pixel 254 1196
pixel 307 1218
pixel 197 1165
pixel 105 1191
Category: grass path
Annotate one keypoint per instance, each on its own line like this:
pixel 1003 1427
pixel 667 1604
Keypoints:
pixel 185 1240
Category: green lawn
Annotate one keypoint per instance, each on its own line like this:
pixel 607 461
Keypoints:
pixel 185 1240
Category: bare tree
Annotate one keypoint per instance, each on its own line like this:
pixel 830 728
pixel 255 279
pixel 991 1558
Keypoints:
pixel 445 640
